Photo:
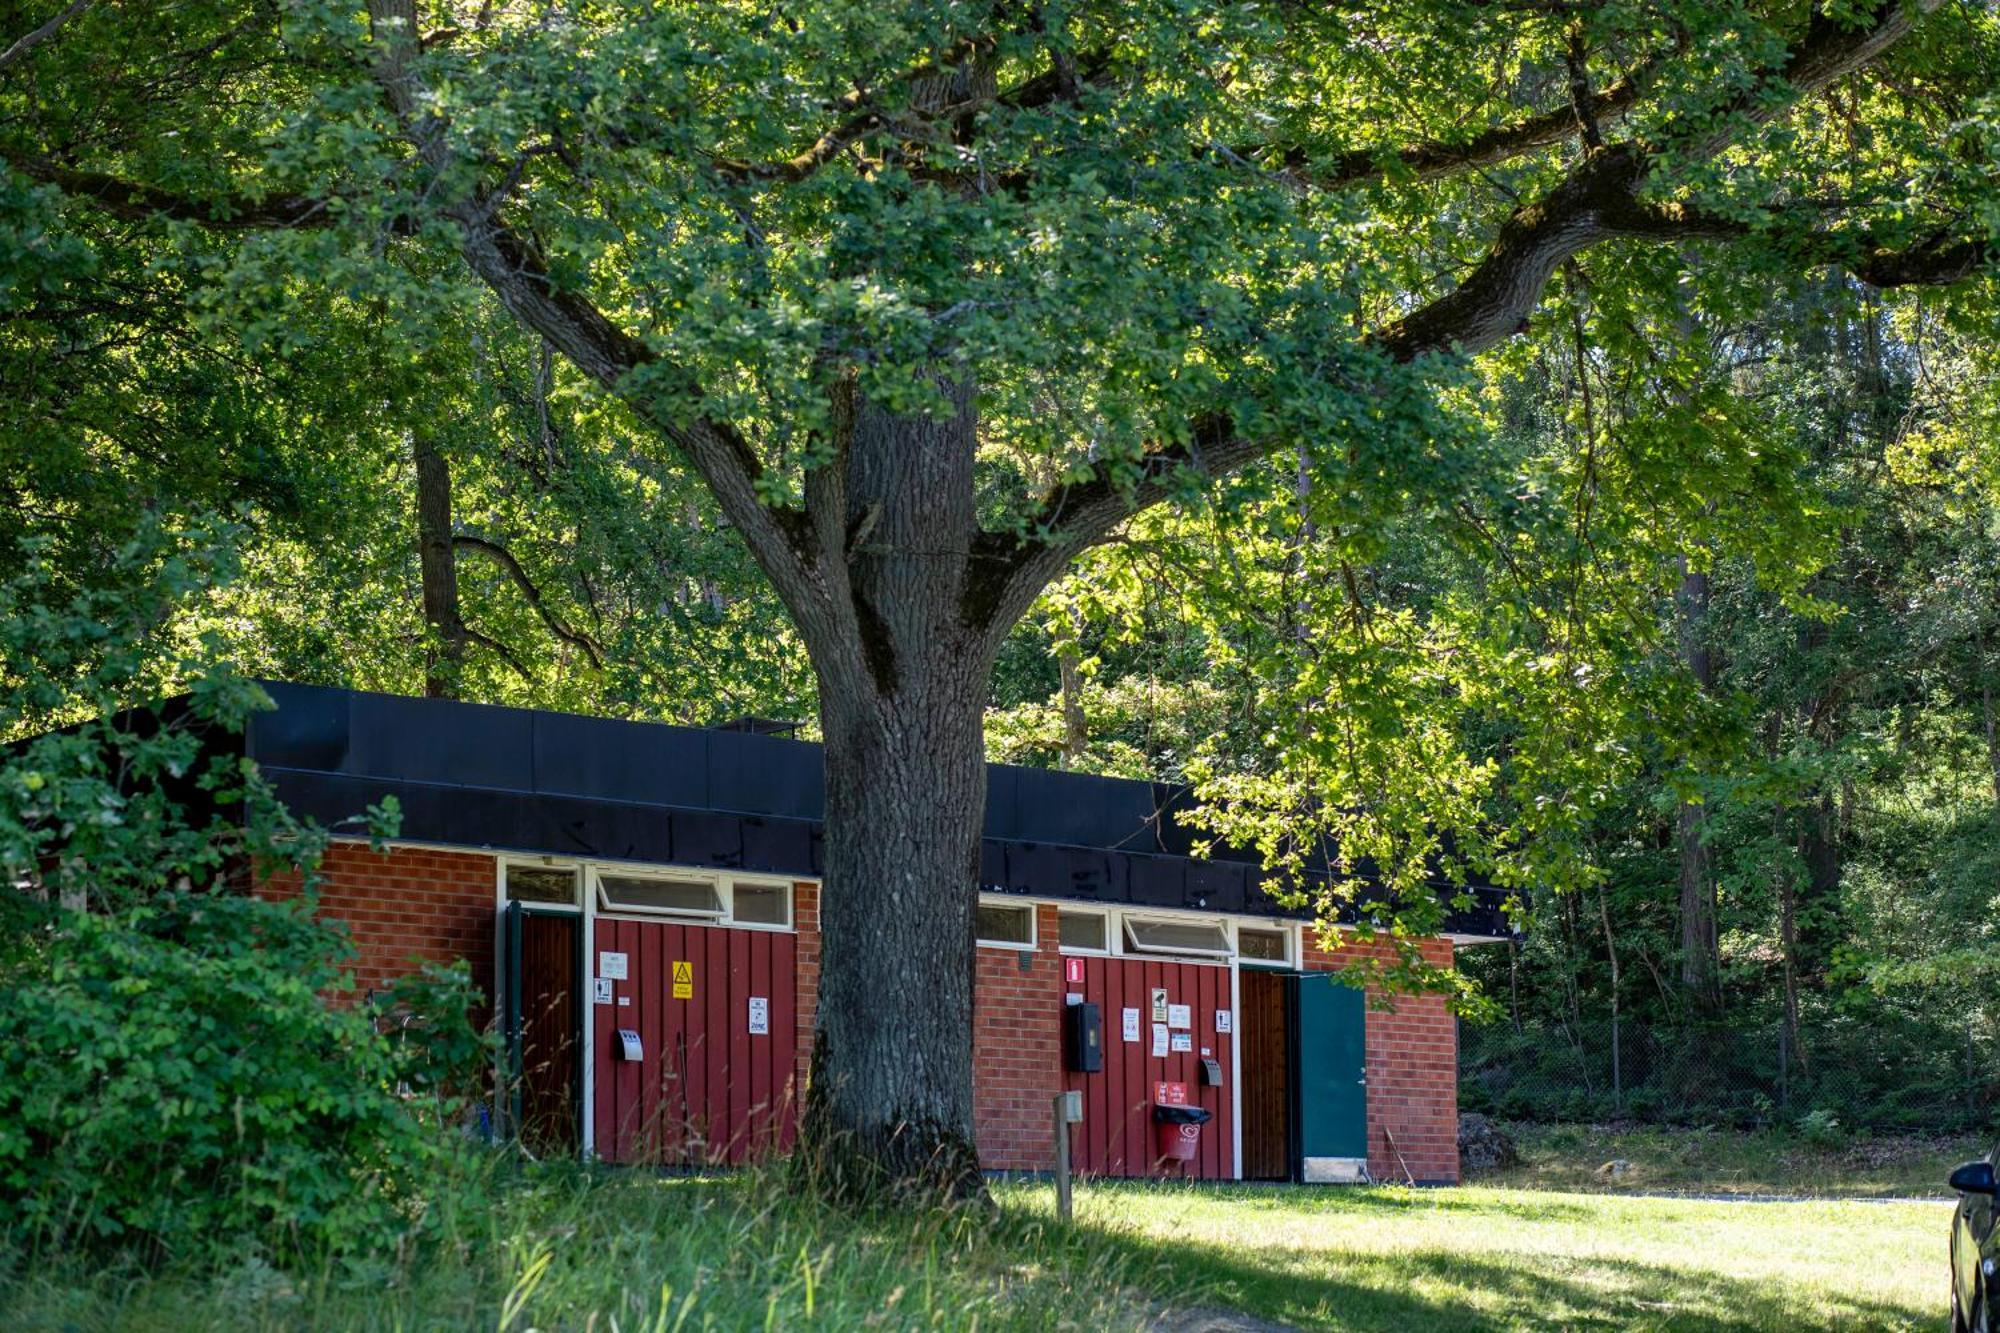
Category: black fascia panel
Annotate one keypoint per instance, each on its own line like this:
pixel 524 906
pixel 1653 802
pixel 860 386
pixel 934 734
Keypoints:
pixel 1095 876
pixel 708 838
pixel 460 745
pixel 1214 886
pixel 1034 867
pixel 765 775
pixel 1002 784
pixel 1082 810
pixel 992 866
pixel 1158 881
pixel 307 729
pixel 777 846
pixel 621 761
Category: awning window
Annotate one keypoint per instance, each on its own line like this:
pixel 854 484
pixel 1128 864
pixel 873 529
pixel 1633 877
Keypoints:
pixel 1206 939
pixel 658 893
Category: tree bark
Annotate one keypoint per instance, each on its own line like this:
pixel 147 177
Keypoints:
pixel 1076 726
pixel 1701 960
pixel 902 675
pixel 446 638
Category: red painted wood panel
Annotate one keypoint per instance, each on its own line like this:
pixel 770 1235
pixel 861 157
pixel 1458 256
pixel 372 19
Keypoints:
pixel 1116 1138
pixel 707 1091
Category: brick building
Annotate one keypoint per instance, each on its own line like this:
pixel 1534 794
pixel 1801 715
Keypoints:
pixel 642 903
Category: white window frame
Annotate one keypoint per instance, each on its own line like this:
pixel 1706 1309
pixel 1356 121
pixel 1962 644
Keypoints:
pixel 1128 949
pixel 788 894
pixel 1289 930
pixel 1110 920
pixel 576 868
pixel 606 906
pixel 723 882
pixel 1033 941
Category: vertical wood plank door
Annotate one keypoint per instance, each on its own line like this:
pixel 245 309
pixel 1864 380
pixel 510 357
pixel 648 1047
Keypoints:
pixel 550 1032
pixel 1116 1136
pixel 1267 1097
pixel 708 1091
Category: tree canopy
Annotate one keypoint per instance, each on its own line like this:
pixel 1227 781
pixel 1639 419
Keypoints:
pixel 925 302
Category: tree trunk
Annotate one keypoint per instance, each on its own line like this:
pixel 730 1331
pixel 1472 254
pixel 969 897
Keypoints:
pixel 1701 962
pixel 445 638
pixel 1611 955
pixel 902 674
pixel 1992 728
pixel 1076 726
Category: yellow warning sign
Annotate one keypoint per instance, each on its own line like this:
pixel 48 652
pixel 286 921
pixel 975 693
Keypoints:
pixel 683 981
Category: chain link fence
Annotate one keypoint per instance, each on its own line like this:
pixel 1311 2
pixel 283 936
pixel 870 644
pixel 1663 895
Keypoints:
pixel 1881 1075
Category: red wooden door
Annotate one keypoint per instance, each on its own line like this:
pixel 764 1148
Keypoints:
pixel 708 1089
pixel 1116 1136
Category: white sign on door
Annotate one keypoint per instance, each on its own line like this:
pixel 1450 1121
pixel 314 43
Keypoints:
pixel 1225 1022
pixel 1159 1039
pixel 760 1015
pixel 1180 1016
pixel 611 966
pixel 601 990
pixel 1131 1025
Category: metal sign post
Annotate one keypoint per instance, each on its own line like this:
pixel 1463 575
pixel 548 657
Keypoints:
pixel 1069 1111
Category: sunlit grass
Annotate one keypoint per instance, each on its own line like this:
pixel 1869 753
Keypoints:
pixel 571 1249
pixel 1479 1258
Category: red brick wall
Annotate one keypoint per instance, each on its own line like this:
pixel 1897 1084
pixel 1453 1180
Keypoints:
pixel 805 919
pixel 1412 1070
pixel 1017 1051
pixel 405 904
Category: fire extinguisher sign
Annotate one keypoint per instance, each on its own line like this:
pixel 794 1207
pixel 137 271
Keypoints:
pixel 1073 971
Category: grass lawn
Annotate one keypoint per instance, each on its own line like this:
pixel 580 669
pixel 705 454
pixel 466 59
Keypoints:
pixel 1712 1161
pixel 568 1249
pixel 1483 1258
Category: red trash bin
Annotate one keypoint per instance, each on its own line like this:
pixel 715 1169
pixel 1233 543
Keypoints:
pixel 1177 1131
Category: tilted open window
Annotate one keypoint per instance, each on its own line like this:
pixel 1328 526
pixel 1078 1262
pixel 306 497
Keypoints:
pixel 666 895
pixel 1200 939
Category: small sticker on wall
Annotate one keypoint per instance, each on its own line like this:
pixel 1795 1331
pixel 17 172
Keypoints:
pixel 1180 1016
pixel 1074 997
pixel 760 1015
pixel 1183 1041
pixel 1225 1022
pixel 611 966
pixel 624 1002
pixel 1131 1024
pixel 601 990
pixel 1159 1039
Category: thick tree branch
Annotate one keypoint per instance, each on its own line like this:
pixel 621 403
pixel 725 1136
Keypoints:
pixel 138 202
pixel 556 626
pixel 509 264
pixel 500 650
pixel 1501 143
pixel 26 43
pixel 1600 199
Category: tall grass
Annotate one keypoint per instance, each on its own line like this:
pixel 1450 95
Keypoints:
pixel 561 1247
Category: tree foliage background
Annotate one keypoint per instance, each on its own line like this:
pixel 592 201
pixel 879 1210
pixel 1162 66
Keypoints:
pixel 1506 440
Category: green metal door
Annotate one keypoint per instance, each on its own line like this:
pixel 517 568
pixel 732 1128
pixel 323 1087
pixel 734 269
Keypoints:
pixel 1330 1076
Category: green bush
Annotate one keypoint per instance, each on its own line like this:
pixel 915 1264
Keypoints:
pixel 173 1079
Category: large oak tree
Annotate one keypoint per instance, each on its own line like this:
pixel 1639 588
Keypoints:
pixel 934 297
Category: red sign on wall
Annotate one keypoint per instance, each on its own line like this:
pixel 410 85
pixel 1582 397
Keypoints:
pixel 1075 970
pixel 1170 1094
